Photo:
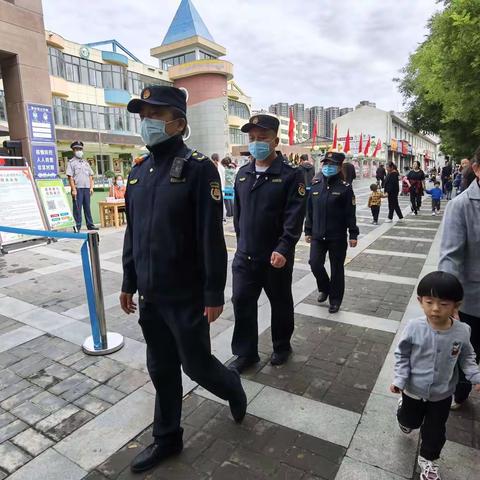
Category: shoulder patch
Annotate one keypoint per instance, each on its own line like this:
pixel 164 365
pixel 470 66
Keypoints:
pixel 133 181
pixel 139 160
pixel 215 191
pixel 301 189
pixel 199 157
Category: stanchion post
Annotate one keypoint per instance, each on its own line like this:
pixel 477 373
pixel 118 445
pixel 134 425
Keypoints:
pixel 110 342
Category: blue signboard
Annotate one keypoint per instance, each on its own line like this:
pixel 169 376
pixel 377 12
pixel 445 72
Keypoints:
pixel 40 123
pixel 44 161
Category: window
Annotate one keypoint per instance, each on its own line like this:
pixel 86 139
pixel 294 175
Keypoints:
pixel 178 60
pixel 137 82
pixel 205 56
pixel 238 109
pixel 72 68
pixel 237 137
pixel 114 76
pixel 56 64
pixel 103 164
pixel 3 109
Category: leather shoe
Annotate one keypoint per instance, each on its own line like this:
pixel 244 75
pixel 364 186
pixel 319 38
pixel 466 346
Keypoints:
pixel 279 358
pixel 238 405
pixel 93 227
pixel 334 308
pixel 240 364
pixel 322 297
pixel 153 455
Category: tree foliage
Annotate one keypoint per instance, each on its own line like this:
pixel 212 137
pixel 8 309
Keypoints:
pixel 441 82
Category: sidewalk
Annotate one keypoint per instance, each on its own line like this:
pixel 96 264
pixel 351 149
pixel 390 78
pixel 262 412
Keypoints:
pixel 327 414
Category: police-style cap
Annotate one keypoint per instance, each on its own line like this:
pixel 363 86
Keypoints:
pixel 334 157
pixel 76 144
pixel 263 121
pixel 159 95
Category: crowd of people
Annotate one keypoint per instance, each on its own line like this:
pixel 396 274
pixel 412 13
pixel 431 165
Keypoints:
pixel 175 258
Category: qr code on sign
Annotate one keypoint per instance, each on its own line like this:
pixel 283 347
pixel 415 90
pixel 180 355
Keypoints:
pixel 51 205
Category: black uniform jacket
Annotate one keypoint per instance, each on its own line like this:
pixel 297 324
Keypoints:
pixel 331 210
pixel 269 210
pixel 174 248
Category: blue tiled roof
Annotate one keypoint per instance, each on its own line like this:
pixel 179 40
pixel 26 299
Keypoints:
pixel 186 23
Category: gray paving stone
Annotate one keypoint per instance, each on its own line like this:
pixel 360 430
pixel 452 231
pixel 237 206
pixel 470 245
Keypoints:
pixel 8 378
pixel 20 397
pixel 11 457
pixel 11 429
pixel 128 381
pixel 67 384
pixel 48 401
pixel 56 418
pixel 30 365
pixel 6 418
pixel 59 371
pixel 108 394
pixel 30 413
pixel 32 442
pixel 92 404
pixel 69 425
pixel 98 373
pixel 79 390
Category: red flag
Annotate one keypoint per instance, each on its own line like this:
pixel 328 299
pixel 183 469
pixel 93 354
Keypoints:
pixel 360 144
pixel 377 148
pixel 314 134
pixel 346 148
pixel 291 129
pixel 367 147
pixel 334 145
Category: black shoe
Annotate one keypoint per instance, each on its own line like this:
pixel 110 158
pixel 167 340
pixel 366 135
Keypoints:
pixel 279 358
pixel 93 227
pixel 322 297
pixel 153 455
pixel 238 405
pixel 240 364
pixel 334 308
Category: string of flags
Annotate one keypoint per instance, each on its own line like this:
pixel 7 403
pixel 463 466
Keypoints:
pixel 360 151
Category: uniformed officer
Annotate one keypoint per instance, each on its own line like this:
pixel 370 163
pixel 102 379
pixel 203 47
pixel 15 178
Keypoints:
pixel 175 257
pixel 330 213
pixel 268 216
pixel 80 177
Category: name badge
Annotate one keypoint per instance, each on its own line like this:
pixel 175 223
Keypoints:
pixel 335 193
pixel 315 193
pixel 177 180
pixel 277 180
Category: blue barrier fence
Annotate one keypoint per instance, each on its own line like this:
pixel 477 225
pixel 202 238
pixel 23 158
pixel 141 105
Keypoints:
pixel 87 270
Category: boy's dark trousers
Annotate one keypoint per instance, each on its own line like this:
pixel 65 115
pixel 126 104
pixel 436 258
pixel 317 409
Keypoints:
pixel 435 205
pixel 375 212
pixel 431 418
pixel 464 387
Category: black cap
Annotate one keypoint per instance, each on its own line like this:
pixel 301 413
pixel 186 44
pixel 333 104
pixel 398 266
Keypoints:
pixel 334 157
pixel 76 144
pixel 263 121
pixel 159 95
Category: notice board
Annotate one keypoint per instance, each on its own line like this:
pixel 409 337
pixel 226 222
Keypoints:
pixel 55 203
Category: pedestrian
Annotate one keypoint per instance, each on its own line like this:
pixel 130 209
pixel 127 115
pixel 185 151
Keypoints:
pixel 118 189
pixel 175 257
pixel 375 202
pixel 380 175
pixel 445 173
pixel 448 188
pixel 308 170
pixel 230 172
pixel 349 173
pixel 405 183
pixel 459 254
pixel 426 359
pixel 416 180
pixel 391 188
pixel 436 194
pixel 268 216
pixel 457 183
pixel 330 214
pixel 80 178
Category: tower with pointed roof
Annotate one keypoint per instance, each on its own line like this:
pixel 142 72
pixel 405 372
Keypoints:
pixel 193 60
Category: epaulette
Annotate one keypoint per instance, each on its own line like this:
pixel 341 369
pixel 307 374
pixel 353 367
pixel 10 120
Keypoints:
pixel 199 157
pixel 139 160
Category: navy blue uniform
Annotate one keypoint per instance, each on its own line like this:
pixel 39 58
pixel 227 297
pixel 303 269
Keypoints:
pixel 268 217
pixel 330 213
pixel 175 257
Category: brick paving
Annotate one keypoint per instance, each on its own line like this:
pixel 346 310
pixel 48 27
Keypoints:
pixel 389 265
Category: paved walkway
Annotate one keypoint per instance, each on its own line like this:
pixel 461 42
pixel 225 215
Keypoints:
pixel 327 414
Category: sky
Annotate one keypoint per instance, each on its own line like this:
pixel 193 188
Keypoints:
pixel 316 52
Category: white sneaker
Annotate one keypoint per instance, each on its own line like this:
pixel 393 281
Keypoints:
pixel 428 469
pixel 455 405
pixel 388 221
pixel 433 214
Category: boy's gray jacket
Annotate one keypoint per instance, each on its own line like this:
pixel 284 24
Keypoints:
pixel 460 247
pixel 426 359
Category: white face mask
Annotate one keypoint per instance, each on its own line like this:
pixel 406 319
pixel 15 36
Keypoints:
pixel 79 153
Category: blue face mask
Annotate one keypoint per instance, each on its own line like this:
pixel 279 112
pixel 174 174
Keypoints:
pixel 259 150
pixel 120 183
pixel 330 170
pixel 153 131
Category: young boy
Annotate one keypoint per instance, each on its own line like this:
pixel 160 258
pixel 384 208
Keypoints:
pixel 374 202
pixel 436 193
pixel 427 358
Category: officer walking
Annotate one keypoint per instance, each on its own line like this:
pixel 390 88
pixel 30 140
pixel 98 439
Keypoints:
pixel 175 257
pixel 80 178
pixel 330 213
pixel 268 216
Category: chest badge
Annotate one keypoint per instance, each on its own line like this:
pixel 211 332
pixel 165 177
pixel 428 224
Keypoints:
pixel 215 191
pixel 315 193
pixel 301 189
pixel 133 181
pixel 455 349
pixel 242 179
pixel 277 180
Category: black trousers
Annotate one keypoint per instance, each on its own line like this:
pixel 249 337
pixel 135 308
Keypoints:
pixel 393 206
pixel 179 335
pixel 435 205
pixel 375 212
pixel 416 201
pixel 464 387
pixel 82 200
pixel 431 418
pixel 249 277
pixel 337 251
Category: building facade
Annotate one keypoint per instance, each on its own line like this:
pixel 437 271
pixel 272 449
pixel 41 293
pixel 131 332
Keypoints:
pixel 331 113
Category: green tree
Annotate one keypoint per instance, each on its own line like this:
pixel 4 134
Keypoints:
pixel 441 82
